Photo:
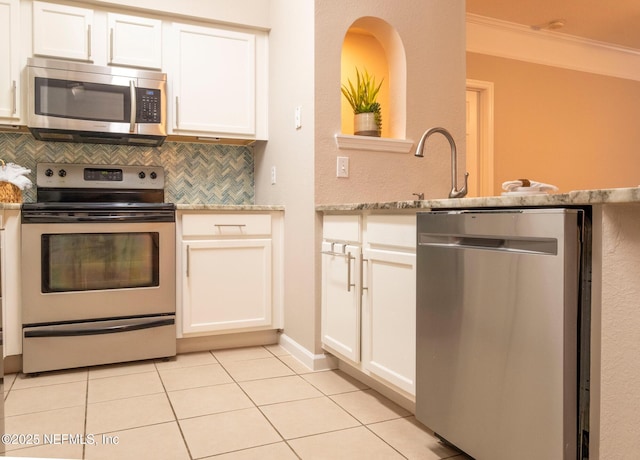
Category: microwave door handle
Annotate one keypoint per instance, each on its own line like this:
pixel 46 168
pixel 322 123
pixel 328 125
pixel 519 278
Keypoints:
pixel 132 124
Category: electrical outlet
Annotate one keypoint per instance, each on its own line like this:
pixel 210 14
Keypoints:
pixel 273 175
pixel 342 167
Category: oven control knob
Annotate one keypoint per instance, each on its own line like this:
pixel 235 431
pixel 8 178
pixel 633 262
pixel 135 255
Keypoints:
pixel 153 175
pixel 62 173
pixel 142 175
pixel 48 172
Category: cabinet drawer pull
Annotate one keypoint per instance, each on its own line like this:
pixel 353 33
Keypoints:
pixel 240 227
pixel 349 258
pixel 362 262
pixel 349 283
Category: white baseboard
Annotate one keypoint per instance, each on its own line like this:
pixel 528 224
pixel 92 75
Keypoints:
pixel 317 362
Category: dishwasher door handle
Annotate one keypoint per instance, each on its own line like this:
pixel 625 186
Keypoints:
pixel 546 246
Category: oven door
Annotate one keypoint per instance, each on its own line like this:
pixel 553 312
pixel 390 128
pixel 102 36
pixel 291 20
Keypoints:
pixel 96 270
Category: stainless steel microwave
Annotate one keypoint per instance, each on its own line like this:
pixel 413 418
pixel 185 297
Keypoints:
pixel 76 102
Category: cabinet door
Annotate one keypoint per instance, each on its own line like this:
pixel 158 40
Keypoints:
pixel 389 316
pixel 11 284
pixel 62 31
pixel 9 61
pixel 215 81
pixel 226 285
pixel 135 41
pixel 341 300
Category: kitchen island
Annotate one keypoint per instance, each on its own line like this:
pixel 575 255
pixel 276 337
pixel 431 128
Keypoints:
pixel 615 300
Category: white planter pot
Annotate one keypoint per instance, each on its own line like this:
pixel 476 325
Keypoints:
pixel 364 124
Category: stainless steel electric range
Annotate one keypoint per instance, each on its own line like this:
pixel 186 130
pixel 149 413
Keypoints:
pixel 98 267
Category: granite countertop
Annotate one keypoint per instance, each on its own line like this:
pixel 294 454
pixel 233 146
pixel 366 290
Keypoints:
pixel 575 198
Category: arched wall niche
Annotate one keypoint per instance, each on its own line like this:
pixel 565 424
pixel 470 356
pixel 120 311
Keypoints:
pixel 373 44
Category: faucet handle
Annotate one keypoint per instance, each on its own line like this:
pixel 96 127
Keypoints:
pixel 419 195
pixel 463 191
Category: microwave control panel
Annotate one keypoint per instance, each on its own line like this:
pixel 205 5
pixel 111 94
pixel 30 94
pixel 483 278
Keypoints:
pixel 148 105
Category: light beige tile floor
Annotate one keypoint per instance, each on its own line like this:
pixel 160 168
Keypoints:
pixel 238 404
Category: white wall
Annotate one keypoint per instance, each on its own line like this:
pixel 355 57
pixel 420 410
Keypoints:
pixel 291 151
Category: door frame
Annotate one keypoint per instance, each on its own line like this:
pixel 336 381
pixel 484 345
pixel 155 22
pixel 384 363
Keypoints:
pixel 485 131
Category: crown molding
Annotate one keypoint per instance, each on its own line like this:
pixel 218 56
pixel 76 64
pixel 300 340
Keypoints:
pixel 514 41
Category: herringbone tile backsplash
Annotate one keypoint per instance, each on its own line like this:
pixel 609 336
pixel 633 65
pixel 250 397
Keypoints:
pixel 195 173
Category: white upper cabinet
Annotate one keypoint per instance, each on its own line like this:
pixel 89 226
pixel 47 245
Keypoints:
pixel 62 31
pixel 134 41
pixel 9 61
pixel 218 82
pixel 95 36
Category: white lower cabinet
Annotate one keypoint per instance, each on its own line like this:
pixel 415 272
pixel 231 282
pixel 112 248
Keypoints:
pixel 227 285
pixel 368 294
pixel 341 311
pixel 227 273
pixel 389 316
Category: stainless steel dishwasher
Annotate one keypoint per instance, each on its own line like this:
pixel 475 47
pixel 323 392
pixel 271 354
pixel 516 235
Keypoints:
pixel 498 314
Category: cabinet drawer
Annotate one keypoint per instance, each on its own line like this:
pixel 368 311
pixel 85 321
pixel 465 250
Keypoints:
pixel 226 224
pixel 398 230
pixel 341 228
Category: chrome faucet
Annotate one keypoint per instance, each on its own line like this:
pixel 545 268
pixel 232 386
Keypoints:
pixel 454 193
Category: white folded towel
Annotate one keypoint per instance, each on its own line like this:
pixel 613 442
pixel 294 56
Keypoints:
pixel 514 185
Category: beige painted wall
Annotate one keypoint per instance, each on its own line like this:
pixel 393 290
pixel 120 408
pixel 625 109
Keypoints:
pixel 433 34
pixel 576 130
pixel 305 53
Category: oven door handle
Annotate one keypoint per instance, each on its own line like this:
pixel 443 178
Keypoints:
pixel 53 219
pixel 99 330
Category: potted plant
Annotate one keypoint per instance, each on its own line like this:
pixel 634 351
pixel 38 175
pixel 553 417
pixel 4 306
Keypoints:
pixel 362 98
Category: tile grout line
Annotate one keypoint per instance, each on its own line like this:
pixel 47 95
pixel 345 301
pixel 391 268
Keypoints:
pixel 260 410
pixel 86 413
pixel 173 411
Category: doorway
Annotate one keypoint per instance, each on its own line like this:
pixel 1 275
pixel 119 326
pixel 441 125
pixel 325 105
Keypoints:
pixel 479 137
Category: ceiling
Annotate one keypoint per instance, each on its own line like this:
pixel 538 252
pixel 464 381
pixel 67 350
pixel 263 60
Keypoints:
pixel 614 21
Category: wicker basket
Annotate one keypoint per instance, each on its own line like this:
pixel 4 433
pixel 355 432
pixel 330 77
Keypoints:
pixel 10 193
